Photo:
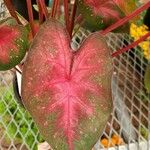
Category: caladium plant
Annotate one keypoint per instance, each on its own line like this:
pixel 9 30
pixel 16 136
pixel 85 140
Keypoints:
pixel 13 43
pixel 68 93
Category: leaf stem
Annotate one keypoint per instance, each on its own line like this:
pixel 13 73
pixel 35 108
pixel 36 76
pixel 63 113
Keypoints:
pixel 124 49
pixel 125 19
pixel 41 16
pixel 43 8
pixel 11 10
pixel 73 17
pixel 54 8
pixel 66 11
pixel 59 9
pixel 31 19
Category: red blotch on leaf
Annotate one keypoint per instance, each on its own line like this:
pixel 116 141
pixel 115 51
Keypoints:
pixel 7 43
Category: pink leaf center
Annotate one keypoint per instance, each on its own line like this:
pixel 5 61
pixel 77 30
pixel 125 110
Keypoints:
pixel 7 42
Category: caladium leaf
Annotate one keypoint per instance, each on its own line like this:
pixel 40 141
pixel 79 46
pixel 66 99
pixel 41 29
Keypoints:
pixel 99 14
pixel 147 79
pixel 13 43
pixel 68 93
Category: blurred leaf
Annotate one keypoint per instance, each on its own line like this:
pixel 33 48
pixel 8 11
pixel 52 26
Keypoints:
pixel 2 107
pixel 8 106
pixel 147 79
pixel 127 6
pixel 144 132
pixel 23 130
pixel 99 15
pixel 12 129
pixel 143 96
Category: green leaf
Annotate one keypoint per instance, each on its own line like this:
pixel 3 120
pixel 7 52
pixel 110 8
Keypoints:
pixel 147 79
pixel 144 132
pixel 2 107
pixel 12 129
pixel 21 122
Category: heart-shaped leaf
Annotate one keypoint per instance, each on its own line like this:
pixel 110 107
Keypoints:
pixel 99 14
pixel 13 43
pixel 68 93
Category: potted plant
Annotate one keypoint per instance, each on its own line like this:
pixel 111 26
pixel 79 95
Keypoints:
pixel 68 93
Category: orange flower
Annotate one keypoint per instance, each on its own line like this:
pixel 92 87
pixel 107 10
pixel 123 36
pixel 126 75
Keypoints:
pixel 115 140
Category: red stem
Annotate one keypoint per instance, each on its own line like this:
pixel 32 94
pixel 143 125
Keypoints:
pixel 54 8
pixel 126 19
pixel 73 17
pixel 124 49
pixel 41 16
pixel 66 10
pixel 11 9
pixel 52 12
pixel 31 19
pixel 43 8
pixel 58 9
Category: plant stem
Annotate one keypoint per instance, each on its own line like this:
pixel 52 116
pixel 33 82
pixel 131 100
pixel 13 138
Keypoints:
pixel 41 16
pixel 11 9
pixel 124 49
pixel 66 10
pixel 58 10
pixel 73 18
pixel 43 8
pixel 54 8
pixel 125 19
pixel 31 19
